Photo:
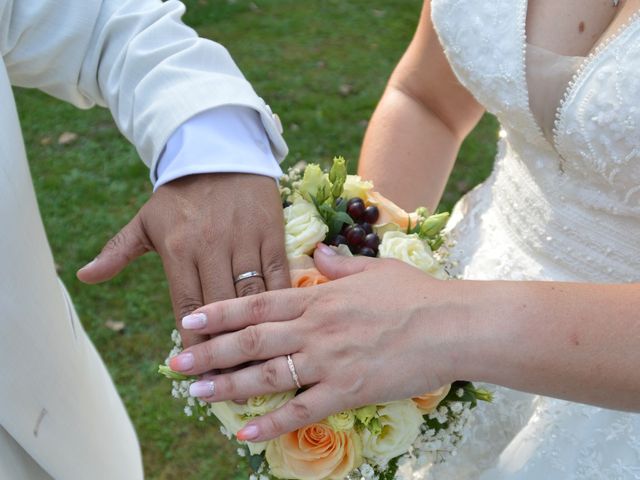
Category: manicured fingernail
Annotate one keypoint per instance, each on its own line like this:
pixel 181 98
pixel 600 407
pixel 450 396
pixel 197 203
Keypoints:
pixel 182 362
pixel 326 250
pixel 90 263
pixel 249 432
pixel 194 321
pixel 202 388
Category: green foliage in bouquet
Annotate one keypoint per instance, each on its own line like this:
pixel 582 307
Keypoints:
pixel 325 192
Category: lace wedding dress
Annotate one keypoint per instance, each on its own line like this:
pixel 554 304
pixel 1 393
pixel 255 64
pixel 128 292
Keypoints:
pixel 563 203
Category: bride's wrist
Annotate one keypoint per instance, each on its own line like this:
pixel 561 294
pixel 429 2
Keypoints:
pixel 484 331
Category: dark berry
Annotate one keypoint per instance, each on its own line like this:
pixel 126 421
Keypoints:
pixel 355 235
pixel 371 214
pixel 340 202
pixel 339 240
pixel 367 252
pixel 371 241
pixel 367 227
pixel 355 208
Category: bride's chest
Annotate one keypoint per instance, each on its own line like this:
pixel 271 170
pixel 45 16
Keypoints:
pixel 597 126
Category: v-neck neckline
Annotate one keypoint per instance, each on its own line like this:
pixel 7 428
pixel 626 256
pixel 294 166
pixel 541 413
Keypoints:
pixel 596 51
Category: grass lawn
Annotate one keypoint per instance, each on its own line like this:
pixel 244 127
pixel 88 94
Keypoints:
pixel 321 65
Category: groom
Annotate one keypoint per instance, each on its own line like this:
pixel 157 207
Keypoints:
pixel 195 121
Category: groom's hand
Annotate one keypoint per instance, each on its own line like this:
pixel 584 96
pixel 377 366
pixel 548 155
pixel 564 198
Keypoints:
pixel 208 229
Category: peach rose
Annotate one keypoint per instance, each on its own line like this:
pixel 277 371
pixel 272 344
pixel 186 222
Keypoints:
pixel 309 277
pixel 304 273
pixel 314 452
pixel 428 402
pixel 390 212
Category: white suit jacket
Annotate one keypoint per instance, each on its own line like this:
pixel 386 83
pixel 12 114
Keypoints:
pixel 153 73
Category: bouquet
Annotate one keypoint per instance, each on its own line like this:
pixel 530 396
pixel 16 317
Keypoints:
pixel 370 442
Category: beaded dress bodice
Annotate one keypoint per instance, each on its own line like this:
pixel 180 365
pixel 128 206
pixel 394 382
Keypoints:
pixel 564 206
pixel 569 206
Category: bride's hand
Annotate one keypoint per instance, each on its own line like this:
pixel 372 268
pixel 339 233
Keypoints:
pixel 380 334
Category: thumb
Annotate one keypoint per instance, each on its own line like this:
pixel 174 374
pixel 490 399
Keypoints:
pixel 334 266
pixel 128 244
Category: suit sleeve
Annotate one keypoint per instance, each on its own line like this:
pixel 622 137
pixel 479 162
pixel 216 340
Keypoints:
pixel 135 57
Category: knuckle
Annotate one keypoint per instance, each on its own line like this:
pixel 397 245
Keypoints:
pixel 250 341
pixel 276 426
pixel 186 305
pixel 176 246
pixel 355 386
pixel 115 242
pixel 269 374
pixel 275 264
pixel 209 235
pixel 299 410
pixel 249 287
pixel 228 387
pixel 257 308
pixel 209 358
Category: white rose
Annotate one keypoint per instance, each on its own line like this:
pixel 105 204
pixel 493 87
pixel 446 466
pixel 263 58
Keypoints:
pixel 400 423
pixel 303 228
pixel 354 186
pixel 412 250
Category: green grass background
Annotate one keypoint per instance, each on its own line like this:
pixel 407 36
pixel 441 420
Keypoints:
pixel 322 65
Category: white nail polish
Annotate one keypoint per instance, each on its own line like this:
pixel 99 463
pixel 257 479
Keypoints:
pixel 194 321
pixel 202 388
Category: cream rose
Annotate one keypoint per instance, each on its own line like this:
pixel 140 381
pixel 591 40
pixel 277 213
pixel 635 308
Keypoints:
pixel 412 250
pixel 262 404
pixel 343 421
pixel 234 416
pixel 400 423
pixel 233 421
pixel 303 228
pixel 314 452
pixel 314 179
pixel 428 402
pixel 354 186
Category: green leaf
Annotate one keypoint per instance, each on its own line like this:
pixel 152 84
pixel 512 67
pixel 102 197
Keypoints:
pixel 255 462
pixel 343 217
pixel 390 472
pixel 432 225
pixel 167 372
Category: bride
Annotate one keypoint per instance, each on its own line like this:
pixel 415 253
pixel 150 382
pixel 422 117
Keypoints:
pixel 548 249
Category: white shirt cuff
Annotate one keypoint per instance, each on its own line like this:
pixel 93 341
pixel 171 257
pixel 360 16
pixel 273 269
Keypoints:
pixel 227 139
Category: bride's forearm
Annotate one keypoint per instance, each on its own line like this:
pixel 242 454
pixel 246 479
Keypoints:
pixel 415 133
pixel 575 341
pixel 408 152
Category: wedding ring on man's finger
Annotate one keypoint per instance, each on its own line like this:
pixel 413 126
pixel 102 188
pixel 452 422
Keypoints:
pixel 292 369
pixel 247 275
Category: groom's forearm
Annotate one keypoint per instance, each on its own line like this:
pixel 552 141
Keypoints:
pixel 575 341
